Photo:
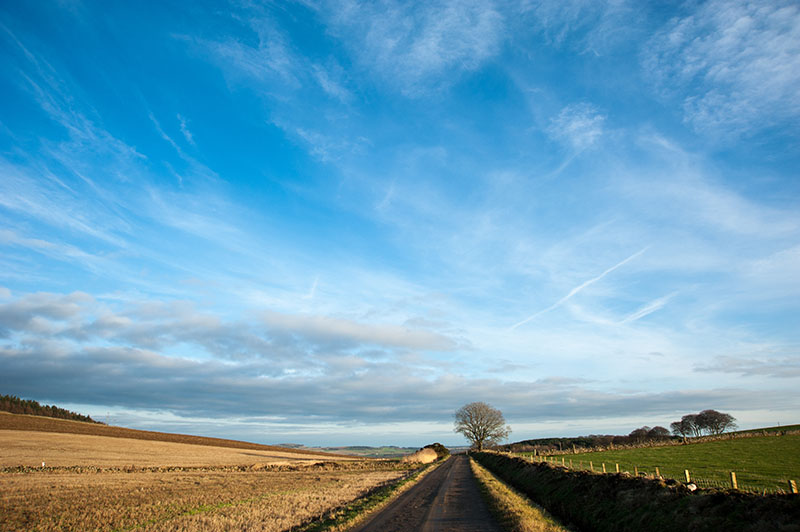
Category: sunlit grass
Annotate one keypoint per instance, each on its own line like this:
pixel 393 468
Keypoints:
pixel 759 462
pixel 513 510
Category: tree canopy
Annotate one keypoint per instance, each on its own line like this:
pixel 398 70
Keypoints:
pixel 706 422
pixel 482 424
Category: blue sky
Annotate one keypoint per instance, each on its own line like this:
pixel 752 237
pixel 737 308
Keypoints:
pixel 338 222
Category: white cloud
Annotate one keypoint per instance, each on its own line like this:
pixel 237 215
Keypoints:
pixel 676 185
pixel 594 25
pixel 331 83
pixel 66 252
pixel 271 60
pixel 788 367
pixel 419 46
pixel 185 130
pixel 578 125
pixel 328 329
pixel 734 63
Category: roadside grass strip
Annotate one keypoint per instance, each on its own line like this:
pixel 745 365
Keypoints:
pixel 513 511
pixel 350 514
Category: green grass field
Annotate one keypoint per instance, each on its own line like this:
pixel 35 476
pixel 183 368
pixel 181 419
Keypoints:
pixel 767 462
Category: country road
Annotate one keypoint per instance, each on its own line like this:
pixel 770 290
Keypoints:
pixel 446 500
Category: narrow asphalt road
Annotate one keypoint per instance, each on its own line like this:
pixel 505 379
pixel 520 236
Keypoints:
pixel 446 500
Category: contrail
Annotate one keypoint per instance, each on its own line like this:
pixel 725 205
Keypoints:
pixel 648 309
pixel 578 289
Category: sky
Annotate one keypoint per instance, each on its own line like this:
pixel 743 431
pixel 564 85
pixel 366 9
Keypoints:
pixel 335 223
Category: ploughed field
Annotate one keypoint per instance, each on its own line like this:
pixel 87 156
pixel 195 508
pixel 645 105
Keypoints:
pixel 111 482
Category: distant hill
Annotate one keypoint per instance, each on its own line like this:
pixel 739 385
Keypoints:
pixel 388 451
pixel 15 405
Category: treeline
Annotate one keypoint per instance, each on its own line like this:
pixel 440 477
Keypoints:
pixel 15 405
pixel 593 441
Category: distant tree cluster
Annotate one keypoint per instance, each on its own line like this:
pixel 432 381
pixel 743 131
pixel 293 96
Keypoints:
pixel 640 436
pixel 706 422
pixel 442 452
pixel 647 434
pixel 15 405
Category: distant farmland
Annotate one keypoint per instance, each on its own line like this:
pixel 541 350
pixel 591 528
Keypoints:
pixel 110 478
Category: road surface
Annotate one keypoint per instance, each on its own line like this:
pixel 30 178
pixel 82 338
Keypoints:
pixel 446 500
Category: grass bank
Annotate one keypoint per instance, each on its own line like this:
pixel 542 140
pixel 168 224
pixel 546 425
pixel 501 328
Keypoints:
pixel 620 502
pixel 513 510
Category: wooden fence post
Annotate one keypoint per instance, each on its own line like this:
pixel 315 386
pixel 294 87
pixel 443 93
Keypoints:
pixel 734 485
pixel 792 486
pixel 635 471
pixel 591 466
pixel 617 467
pixel 686 474
pixel 604 467
pixel 570 463
pixel 658 473
pixel 562 460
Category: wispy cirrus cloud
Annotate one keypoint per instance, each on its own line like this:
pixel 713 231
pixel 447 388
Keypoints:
pixel 735 65
pixel 184 124
pixel 421 46
pixel 590 26
pixel 578 125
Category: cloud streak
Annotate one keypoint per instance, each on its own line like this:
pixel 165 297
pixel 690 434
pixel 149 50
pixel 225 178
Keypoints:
pixel 577 290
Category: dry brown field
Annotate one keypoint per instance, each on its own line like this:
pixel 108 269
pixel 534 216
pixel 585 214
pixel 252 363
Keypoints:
pixel 271 500
pixel 30 449
pixel 103 482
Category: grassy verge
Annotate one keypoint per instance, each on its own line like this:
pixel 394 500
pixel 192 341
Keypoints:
pixel 514 511
pixel 350 514
pixel 760 463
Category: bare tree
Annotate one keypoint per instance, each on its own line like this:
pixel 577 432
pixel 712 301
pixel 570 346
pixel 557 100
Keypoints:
pixel 481 424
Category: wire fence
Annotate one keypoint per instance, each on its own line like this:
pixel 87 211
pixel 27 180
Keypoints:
pixel 725 480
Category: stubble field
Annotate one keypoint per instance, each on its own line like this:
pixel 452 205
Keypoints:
pixel 268 500
pixel 94 482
